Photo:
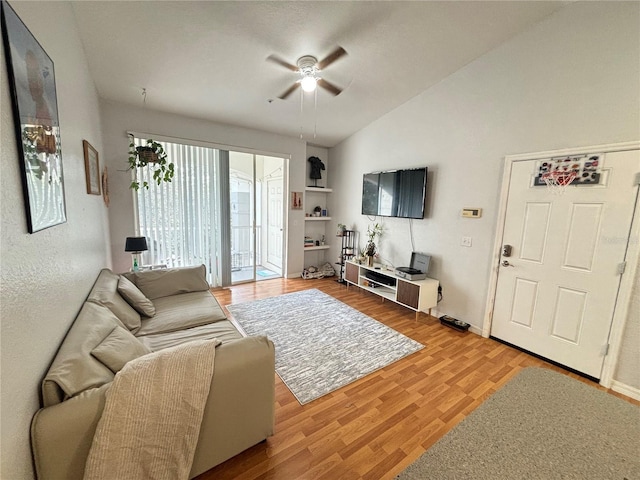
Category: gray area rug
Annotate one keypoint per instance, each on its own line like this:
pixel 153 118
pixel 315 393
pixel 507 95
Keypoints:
pixel 541 425
pixel 321 343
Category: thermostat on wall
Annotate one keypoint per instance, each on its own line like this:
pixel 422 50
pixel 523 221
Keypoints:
pixel 472 212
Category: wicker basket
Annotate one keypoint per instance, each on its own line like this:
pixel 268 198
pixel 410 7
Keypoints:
pixel 325 271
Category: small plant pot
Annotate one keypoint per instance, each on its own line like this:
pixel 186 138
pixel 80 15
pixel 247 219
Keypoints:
pixel 147 154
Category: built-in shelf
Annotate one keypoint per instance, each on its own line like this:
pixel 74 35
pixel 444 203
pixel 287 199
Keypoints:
pixel 316 227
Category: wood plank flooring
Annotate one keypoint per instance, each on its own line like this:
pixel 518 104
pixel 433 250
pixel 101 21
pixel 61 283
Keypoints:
pixel 377 426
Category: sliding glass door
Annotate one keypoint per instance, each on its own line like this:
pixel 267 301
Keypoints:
pixel 223 209
pixel 257 212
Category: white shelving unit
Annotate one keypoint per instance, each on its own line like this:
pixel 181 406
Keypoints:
pixel 316 227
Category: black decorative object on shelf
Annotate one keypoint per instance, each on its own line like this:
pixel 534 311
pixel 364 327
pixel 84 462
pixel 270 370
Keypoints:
pixel 316 166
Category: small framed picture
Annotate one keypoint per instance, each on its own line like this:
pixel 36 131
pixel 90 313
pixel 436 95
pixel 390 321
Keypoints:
pixel 91 168
pixel 296 200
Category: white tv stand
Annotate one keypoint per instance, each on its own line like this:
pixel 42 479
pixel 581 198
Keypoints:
pixel 418 295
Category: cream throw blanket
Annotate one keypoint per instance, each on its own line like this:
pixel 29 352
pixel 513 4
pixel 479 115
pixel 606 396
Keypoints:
pixel 151 420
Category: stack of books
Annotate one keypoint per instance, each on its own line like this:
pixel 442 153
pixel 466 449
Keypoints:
pixel 308 242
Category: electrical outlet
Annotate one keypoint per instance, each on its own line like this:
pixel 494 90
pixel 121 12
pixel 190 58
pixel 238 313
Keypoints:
pixel 466 241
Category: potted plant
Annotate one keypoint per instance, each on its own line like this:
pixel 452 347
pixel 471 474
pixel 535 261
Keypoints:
pixel 373 231
pixel 150 154
pixel 341 228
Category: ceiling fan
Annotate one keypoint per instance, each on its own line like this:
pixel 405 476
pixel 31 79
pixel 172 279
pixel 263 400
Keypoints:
pixel 308 67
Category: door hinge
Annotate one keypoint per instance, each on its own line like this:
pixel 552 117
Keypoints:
pixel 605 350
pixel 621 268
pixel 637 180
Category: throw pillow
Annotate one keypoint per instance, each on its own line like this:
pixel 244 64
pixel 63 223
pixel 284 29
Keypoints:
pixel 105 293
pixel 118 348
pixel 135 297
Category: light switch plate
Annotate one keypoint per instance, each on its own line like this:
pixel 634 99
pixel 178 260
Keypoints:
pixel 466 241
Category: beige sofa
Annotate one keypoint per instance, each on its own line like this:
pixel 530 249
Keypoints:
pixel 240 407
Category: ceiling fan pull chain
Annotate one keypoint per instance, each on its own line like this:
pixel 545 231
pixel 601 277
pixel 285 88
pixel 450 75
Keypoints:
pixel 315 113
pixel 301 111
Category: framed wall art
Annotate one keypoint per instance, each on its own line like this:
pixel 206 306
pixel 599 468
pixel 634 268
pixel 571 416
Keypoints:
pixel 296 200
pixel 35 110
pixel 91 168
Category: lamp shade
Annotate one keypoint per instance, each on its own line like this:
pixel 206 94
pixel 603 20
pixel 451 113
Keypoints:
pixel 135 244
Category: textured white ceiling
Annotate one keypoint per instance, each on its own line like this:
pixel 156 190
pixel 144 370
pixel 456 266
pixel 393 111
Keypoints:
pixel 206 59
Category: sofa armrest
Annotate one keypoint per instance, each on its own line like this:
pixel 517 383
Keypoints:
pixel 240 410
pixel 61 435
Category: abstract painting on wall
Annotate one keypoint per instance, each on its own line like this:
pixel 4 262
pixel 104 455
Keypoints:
pixel 35 108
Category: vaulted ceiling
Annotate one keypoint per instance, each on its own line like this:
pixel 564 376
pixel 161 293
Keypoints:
pixel 207 59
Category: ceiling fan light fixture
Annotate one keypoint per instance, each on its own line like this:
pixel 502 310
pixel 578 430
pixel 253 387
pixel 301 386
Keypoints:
pixel 309 83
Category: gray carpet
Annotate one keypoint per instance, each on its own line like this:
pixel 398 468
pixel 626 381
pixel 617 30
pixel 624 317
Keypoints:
pixel 541 425
pixel 321 343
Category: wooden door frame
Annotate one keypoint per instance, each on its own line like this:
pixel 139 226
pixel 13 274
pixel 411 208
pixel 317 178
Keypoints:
pixel 621 309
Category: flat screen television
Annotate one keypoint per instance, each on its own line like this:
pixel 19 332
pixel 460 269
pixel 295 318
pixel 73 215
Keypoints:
pixel 395 193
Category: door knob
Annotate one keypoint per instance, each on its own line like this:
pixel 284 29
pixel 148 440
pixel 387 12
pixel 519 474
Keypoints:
pixel 505 263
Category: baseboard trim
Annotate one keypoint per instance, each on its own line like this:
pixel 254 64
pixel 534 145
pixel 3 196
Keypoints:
pixel 625 389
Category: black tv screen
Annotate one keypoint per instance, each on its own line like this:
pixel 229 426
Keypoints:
pixel 396 193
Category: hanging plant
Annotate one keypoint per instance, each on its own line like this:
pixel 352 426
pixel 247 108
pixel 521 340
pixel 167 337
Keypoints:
pixel 150 154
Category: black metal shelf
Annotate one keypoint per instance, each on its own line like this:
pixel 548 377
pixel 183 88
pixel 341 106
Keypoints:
pixel 348 240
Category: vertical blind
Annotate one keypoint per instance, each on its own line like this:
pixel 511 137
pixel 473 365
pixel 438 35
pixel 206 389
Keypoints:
pixel 181 219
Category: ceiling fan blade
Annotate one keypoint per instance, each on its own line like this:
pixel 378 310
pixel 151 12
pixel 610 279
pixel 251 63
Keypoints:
pixel 329 86
pixel 284 63
pixel 332 57
pixel 289 91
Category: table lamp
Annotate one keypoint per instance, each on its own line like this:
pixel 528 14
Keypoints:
pixel 135 245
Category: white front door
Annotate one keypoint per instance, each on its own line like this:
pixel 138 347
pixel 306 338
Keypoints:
pixel 556 293
pixel 275 222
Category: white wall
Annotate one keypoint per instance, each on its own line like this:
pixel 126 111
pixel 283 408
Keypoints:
pixel 569 81
pixel 45 276
pixel 118 118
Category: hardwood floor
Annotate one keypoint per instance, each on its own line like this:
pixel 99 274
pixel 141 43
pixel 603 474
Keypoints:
pixel 377 426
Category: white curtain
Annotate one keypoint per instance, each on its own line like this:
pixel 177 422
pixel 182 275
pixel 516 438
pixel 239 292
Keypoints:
pixel 181 219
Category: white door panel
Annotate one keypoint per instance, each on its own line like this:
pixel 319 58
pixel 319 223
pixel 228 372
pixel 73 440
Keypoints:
pixel 557 296
pixel 275 221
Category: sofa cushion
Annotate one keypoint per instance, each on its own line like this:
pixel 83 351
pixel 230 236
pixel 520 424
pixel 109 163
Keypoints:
pixel 172 281
pixel 178 312
pixel 223 330
pixel 105 292
pixel 74 369
pixel 118 348
pixel 135 297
